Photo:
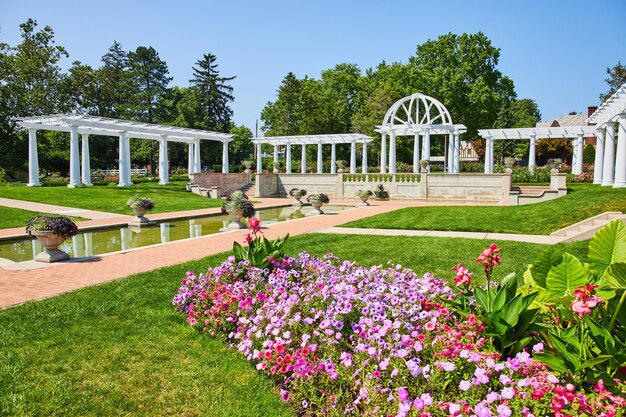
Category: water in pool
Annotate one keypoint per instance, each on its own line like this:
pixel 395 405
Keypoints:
pixel 120 238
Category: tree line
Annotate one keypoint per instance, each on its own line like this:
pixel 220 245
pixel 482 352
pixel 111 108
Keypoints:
pixel 133 85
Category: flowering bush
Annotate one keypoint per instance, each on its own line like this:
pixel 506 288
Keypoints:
pixel 341 339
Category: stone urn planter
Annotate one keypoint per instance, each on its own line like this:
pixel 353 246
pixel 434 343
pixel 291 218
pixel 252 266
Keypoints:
pixel 51 241
pixel 139 206
pixel 247 165
pixel 317 205
pixel 509 163
pixel 51 231
pixel 555 164
pixel 297 194
pixel 236 224
pixel 317 201
pixel 424 165
pixel 364 196
pixel 341 165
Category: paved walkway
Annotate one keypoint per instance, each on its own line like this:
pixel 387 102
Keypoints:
pixel 50 208
pixel 545 240
pixel 25 285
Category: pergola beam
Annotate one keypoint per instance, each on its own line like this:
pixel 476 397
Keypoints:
pixel 563 132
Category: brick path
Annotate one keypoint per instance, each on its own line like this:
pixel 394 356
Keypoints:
pixel 25 285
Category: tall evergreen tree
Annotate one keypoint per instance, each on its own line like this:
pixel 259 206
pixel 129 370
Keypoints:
pixel 617 77
pixel 214 93
pixel 149 80
pixel 114 83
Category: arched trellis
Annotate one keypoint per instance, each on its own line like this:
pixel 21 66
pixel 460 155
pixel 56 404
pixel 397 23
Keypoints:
pixel 420 116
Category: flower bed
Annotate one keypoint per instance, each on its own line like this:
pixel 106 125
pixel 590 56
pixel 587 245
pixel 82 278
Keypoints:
pixel 341 339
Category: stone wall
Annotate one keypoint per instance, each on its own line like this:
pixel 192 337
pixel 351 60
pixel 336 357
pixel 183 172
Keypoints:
pixel 227 183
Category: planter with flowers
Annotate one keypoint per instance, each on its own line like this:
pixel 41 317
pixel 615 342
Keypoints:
pixel 140 205
pixel 238 207
pixel 424 165
pixel 364 195
pixel 247 164
pixel 509 163
pixel 297 194
pixel 341 166
pixel 317 201
pixel 51 231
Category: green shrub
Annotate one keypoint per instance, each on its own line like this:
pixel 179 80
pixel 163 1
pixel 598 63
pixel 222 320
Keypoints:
pixel 589 154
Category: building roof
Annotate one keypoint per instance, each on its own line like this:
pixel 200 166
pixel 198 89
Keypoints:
pixel 566 120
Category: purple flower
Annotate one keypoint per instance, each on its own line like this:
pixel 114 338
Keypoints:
pixel 465 385
pixel 403 394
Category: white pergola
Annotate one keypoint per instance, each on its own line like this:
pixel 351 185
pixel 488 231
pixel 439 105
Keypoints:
pixel 124 130
pixel 609 166
pixel 419 115
pixel 578 133
pixel 319 140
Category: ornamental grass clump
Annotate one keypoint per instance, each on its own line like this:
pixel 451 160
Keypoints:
pixel 140 203
pixel 238 201
pixel 59 225
pixel 345 340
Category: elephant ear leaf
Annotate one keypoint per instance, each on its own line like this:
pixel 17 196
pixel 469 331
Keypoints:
pixel 543 263
pixel 615 276
pixel 563 279
pixel 608 246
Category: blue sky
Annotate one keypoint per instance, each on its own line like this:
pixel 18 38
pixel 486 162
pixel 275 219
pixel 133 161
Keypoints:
pixel 555 51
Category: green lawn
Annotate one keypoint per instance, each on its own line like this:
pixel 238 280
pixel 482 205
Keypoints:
pixel 12 217
pixel 120 349
pixel 582 201
pixel 112 199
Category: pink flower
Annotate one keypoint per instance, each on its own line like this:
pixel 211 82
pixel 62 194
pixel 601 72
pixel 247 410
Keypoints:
pixel 255 224
pixel 285 395
pixel 248 238
pixel 463 276
pixel 585 300
pixel 403 394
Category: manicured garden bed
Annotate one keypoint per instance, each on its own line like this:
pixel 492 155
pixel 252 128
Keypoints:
pixel 120 349
pixel 112 199
pixel 582 201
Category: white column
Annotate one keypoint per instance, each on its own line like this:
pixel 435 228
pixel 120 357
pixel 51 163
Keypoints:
pixel 74 158
pixel 288 158
pixel 449 153
pixel 86 166
pixel 33 159
pixel 609 156
pixel 599 160
pixel 383 153
pixel 303 160
pixel 620 158
pixel 532 150
pixel 78 246
pixel 416 154
pixel 259 159
pixel 577 163
pixel 225 162
pixel 392 153
pixel 190 154
pixel 491 155
pixel 163 164
pixel 123 174
pixel 127 150
pixel 426 146
pixel 275 154
pixel 320 166
pixel 126 237
pixel 364 159
pixel 353 158
pixel 486 167
pixel 197 162
pixel 333 159
pixel 457 153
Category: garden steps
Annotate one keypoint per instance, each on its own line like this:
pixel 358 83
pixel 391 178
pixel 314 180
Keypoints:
pixel 585 229
pixel 530 189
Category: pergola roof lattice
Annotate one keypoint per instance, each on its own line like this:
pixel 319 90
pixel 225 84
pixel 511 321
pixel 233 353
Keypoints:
pixel 538 132
pixel 95 125
pixel 324 139
pixel 611 108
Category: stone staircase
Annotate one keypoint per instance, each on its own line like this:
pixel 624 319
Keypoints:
pixel 248 188
pixel 587 228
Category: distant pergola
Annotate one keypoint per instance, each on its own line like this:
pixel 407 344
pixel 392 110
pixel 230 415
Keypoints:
pixel 419 115
pixel 533 133
pixel 319 140
pixel 610 167
pixel 124 130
